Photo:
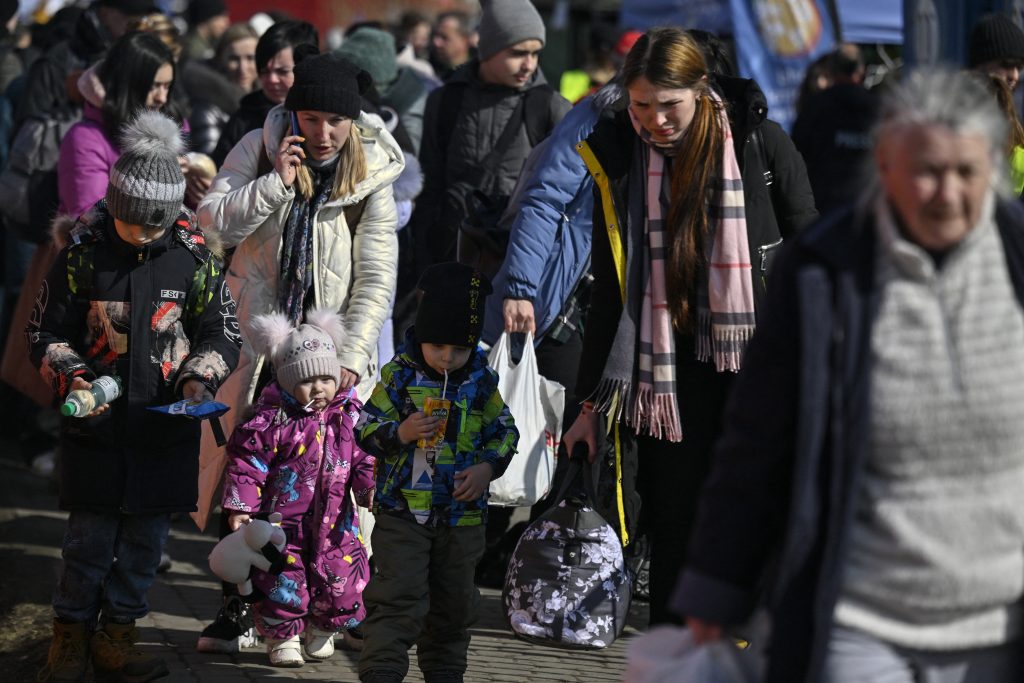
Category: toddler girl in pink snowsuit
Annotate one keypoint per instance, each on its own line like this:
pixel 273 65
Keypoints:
pixel 296 455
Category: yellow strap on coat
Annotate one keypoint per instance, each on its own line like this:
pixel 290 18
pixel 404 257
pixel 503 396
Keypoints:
pixel 619 256
pixel 610 217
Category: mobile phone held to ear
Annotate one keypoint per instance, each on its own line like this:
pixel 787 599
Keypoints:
pixel 295 125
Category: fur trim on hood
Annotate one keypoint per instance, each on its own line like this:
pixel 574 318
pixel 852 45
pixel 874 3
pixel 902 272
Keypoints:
pixel 63 224
pixel 90 86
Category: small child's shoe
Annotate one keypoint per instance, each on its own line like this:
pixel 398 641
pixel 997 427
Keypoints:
pixel 319 644
pixel 285 653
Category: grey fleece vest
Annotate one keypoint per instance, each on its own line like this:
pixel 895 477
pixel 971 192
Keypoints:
pixel 936 557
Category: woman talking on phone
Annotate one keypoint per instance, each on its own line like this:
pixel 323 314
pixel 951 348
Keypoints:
pixel 307 204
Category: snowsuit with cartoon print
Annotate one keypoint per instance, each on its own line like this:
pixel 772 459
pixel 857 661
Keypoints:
pixel 302 463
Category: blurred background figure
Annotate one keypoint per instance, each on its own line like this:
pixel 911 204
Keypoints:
pixel 452 43
pixel 833 130
pixel 207 21
pixel 96 28
pixel 413 31
pixel 996 47
pixel 278 51
pixel 217 86
pixel 1015 140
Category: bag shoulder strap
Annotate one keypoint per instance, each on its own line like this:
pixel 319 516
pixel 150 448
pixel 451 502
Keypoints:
pixel 447 111
pixel 538 113
pixel 757 140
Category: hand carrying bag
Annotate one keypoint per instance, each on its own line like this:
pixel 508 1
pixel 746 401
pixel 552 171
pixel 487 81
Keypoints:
pixel 537 405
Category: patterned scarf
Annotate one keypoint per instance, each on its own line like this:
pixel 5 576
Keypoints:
pixel 639 380
pixel 297 242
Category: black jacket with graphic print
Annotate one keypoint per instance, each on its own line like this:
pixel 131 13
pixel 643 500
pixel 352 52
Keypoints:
pixel 109 308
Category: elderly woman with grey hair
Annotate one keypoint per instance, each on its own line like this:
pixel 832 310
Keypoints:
pixel 867 487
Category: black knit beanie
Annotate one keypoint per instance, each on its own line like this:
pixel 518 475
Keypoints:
pixel 452 308
pixel 328 83
pixel 995 36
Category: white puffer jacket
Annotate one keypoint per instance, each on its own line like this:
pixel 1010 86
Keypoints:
pixel 356 276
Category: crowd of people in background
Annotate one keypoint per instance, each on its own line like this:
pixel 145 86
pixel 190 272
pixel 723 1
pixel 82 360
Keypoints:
pixel 748 323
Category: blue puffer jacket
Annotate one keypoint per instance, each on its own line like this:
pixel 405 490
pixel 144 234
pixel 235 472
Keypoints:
pixel 552 211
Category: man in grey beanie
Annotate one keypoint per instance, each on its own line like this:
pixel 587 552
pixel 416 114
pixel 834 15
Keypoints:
pixel 501 89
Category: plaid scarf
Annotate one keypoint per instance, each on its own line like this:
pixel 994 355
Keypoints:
pixel 639 379
pixel 297 243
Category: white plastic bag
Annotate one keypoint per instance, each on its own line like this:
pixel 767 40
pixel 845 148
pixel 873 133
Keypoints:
pixel 536 404
pixel 668 654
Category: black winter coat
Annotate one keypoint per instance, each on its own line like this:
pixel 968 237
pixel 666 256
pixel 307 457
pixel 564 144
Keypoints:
pixel 109 308
pixel 773 212
pixel 777 509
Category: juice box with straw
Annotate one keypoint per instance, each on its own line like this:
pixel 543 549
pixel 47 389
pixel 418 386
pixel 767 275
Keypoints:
pixel 439 408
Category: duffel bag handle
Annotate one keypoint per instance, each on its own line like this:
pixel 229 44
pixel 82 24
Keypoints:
pixel 574 471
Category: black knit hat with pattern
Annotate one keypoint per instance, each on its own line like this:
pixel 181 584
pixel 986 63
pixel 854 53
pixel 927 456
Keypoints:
pixel 452 308
pixel 328 83
pixel 995 37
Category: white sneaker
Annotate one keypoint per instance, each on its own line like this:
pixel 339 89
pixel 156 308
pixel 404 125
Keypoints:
pixel 319 644
pixel 285 653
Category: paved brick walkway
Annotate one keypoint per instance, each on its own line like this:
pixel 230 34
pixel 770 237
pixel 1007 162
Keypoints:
pixel 186 597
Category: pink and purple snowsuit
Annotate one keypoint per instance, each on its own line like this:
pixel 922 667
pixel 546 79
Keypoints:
pixel 302 464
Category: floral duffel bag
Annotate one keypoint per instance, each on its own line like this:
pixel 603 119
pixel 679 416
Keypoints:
pixel 567 583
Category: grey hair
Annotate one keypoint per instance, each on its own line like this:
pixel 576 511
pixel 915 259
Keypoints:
pixel 954 99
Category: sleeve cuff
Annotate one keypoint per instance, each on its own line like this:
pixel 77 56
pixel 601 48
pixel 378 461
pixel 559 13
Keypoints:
pixel 710 599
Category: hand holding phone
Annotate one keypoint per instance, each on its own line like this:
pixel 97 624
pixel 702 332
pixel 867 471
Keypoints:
pixel 290 154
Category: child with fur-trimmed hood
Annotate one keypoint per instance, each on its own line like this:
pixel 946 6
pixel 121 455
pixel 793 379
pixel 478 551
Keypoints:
pixel 297 456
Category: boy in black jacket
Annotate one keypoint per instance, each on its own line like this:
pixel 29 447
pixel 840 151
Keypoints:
pixel 136 293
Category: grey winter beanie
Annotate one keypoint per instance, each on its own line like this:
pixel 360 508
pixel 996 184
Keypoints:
pixel 146 184
pixel 507 22
pixel 374 51
pixel 995 37
pixel 300 353
pixel 308 352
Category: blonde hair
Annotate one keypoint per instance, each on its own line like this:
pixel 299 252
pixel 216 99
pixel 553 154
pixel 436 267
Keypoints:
pixel 163 28
pixel 671 58
pixel 350 172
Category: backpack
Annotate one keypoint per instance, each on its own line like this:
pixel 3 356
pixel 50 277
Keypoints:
pixel 567 583
pixel 28 184
pixel 482 239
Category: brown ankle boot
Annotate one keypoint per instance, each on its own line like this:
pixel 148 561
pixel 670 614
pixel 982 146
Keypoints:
pixel 68 656
pixel 116 658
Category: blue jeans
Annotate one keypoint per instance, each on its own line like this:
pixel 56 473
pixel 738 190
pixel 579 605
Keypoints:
pixel 110 561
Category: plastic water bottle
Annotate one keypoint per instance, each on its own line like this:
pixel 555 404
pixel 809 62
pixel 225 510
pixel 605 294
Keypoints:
pixel 81 402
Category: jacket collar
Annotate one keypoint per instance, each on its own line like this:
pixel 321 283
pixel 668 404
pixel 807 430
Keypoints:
pixel 411 355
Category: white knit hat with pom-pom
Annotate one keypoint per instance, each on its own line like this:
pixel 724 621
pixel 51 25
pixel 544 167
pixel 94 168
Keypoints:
pixel 299 353
pixel 146 184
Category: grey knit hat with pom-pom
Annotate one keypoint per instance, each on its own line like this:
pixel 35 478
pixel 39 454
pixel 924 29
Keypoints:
pixel 146 184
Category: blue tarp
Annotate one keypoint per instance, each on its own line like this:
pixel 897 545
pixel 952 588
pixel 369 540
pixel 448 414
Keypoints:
pixel 862 21
pixel 871 21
